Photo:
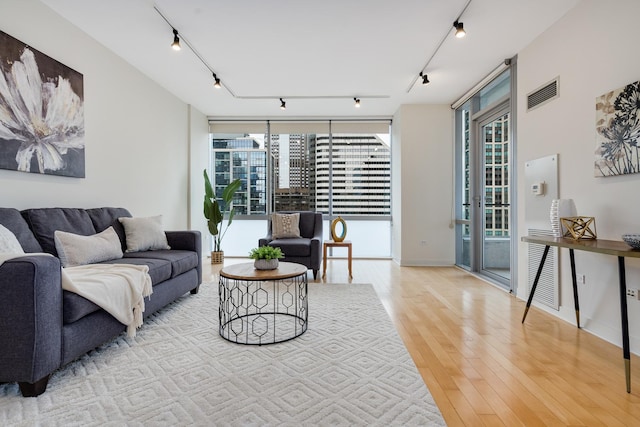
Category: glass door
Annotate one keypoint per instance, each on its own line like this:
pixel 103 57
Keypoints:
pixel 495 239
pixel 483 199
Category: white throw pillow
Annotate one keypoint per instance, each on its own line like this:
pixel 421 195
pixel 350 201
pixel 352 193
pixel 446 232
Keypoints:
pixel 144 234
pixel 75 249
pixel 9 242
pixel 285 226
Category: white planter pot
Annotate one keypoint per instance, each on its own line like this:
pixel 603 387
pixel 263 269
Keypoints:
pixel 266 264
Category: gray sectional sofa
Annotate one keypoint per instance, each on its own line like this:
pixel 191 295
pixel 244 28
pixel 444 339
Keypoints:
pixel 42 326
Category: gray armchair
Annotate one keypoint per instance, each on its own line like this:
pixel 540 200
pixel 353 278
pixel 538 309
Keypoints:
pixel 306 250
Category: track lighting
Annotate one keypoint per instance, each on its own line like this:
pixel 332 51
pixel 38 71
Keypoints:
pixel 217 84
pixel 283 105
pixel 176 40
pixel 425 79
pixel 460 33
pixel 357 105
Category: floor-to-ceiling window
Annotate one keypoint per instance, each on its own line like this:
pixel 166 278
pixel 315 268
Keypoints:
pixel 484 196
pixel 338 168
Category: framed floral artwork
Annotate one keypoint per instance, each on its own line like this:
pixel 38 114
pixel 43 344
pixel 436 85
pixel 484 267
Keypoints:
pixel 41 112
pixel 618 131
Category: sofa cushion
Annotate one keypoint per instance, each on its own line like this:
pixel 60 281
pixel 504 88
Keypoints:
pixel 103 218
pixel 74 249
pixel 45 221
pixel 144 234
pixel 159 269
pixel 293 247
pixel 12 219
pixel 181 261
pixel 75 307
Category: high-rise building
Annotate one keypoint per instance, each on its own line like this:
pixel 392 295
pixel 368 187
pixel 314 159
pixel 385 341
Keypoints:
pixel 347 173
pixel 357 169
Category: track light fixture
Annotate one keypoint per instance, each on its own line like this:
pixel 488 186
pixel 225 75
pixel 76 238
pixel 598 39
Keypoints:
pixel 357 105
pixel 460 33
pixel 217 84
pixel 283 105
pixel 176 40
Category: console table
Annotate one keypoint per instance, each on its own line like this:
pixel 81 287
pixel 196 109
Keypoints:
pixel 608 247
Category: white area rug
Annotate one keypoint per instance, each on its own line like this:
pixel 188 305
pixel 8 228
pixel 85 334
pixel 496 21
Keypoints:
pixel 349 368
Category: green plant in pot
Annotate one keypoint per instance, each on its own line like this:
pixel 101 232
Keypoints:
pixel 266 257
pixel 214 212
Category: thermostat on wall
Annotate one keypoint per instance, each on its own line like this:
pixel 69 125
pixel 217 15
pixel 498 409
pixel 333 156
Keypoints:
pixel 537 189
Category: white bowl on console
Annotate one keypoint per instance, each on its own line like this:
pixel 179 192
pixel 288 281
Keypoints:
pixel 632 240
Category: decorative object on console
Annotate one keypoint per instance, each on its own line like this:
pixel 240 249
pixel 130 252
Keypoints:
pixel 45 133
pixel 215 214
pixel 580 227
pixel 632 240
pixel 335 236
pixel 560 208
pixel 617 140
pixel 266 257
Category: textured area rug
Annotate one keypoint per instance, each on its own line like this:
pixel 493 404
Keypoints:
pixel 349 368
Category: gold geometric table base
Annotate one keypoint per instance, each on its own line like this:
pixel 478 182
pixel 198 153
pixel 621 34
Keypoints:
pixel 579 227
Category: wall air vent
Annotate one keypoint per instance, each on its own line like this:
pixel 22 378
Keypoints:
pixel 548 92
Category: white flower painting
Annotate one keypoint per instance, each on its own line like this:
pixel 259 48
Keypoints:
pixel 41 112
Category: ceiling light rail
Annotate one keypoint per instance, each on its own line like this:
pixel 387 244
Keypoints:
pixel 459 33
pixel 177 38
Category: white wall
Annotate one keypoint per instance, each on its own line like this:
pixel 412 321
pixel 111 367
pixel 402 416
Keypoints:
pixel 137 134
pixel 423 188
pixel 199 151
pixel 594 50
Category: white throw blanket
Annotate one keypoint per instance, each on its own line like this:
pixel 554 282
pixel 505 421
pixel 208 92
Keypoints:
pixel 119 289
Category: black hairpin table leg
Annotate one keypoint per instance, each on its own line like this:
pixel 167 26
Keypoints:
pixel 535 281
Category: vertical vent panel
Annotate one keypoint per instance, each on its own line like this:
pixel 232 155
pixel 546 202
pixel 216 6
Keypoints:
pixel 547 292
pixel 541 96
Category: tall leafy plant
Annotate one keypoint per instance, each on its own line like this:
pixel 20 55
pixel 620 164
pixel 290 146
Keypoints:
pixel 215 210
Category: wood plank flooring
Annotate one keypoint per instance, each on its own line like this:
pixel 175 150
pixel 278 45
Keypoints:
pixel 482 366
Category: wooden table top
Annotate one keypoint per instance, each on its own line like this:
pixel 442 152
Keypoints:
pixel 247 271
pixel 601 246
pixel 333 243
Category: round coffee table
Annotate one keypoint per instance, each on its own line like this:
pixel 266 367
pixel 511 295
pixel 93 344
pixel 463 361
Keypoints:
pixel 259 307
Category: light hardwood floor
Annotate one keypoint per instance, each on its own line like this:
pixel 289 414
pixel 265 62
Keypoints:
pixel 482 366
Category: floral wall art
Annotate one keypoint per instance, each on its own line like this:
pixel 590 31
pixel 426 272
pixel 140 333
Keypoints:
pixel 41 112
pixel 618 131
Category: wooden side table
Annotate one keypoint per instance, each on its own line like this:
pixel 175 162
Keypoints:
pixel 331 244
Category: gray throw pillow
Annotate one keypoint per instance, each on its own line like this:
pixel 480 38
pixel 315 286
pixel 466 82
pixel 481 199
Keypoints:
pixel 9 242
pixel 75 249
pixel 144 234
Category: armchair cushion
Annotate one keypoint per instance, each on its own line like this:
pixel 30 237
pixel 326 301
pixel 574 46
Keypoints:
pixel 293 247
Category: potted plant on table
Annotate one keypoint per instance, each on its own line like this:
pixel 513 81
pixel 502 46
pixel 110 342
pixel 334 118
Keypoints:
pixel 266 257
pixel 214 212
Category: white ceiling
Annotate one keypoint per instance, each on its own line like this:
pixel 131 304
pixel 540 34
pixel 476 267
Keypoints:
pixel 304 48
